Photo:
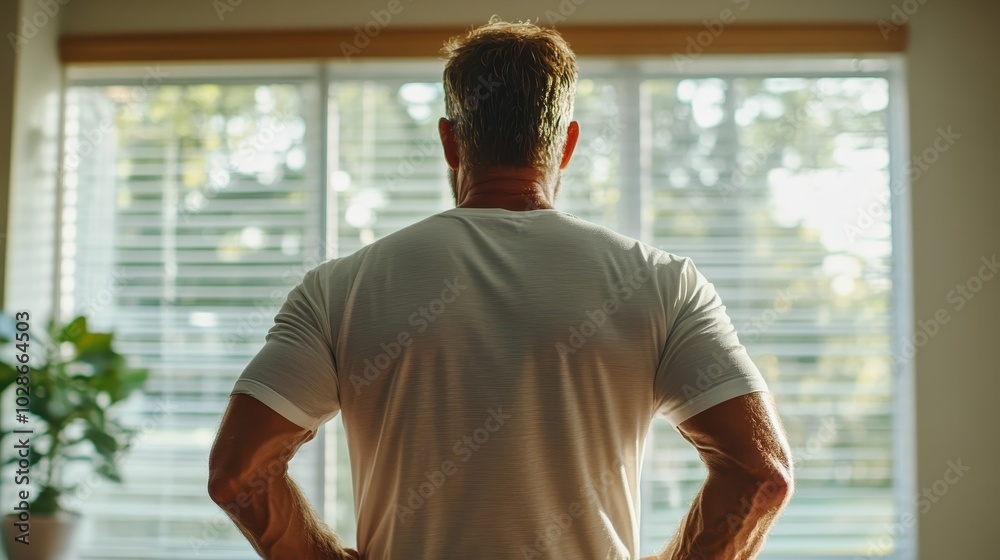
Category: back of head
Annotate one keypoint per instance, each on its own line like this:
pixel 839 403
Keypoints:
pixel 509 90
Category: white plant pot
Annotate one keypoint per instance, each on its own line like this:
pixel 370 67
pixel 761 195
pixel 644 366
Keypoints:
pixel 50 537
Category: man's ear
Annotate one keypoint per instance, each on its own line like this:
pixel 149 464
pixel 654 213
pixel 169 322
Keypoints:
pixel 572 135
pixel 447 134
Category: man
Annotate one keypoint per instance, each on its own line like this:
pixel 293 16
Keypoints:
pixel 497 365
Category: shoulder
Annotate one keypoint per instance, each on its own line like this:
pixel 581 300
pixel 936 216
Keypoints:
pixel 342 271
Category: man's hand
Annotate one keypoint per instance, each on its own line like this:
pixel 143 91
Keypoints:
pixel 248 477
pixel 749 481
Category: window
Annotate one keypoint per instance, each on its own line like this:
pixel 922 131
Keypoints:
pixel 196 198
pixel 193 206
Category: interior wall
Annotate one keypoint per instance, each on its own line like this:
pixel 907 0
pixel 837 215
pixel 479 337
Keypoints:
pixel 34 159
pixel 8 16
pixel 100 16
pixel 953 80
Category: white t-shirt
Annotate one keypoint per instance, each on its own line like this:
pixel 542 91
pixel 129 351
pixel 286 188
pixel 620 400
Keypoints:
pixel 497 373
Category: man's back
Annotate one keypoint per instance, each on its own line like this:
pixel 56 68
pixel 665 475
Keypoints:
pixel 497 372
pixel 498 364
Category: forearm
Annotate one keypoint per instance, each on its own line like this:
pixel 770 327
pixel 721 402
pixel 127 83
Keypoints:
pixel 280 523
pixel 730 517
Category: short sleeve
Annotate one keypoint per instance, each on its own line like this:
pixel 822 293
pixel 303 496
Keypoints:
pixel 294 373
pixel 703 363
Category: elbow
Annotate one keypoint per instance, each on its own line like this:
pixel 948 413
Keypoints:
pixel 776 489
pixel 222 488
pixel 775 485
pixel 235 487
pixel 227 484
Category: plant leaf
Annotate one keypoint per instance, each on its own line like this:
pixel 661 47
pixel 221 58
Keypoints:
pixel 109 471
pixel 73 331
pixel 33 458
pixel 47 502
pixel 7 375
pixel 129 381
pixel 94 343
pixel 104 443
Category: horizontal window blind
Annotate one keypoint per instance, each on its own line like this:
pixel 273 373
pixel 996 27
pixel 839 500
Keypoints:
pixel 760 180
pixel 192 211
pixel 206 201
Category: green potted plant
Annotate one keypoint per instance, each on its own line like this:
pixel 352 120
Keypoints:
pixel 75 380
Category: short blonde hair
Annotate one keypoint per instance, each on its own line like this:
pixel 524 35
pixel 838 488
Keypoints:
pixel 509 91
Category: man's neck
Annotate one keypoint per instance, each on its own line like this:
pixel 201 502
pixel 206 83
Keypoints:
pixel 518 190
pixel 514 202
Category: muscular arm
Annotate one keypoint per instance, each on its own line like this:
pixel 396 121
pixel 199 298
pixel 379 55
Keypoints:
pixel 248 477
pixel 749 481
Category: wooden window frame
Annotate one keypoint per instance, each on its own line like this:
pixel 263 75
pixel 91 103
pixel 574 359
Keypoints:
pixel 426 42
